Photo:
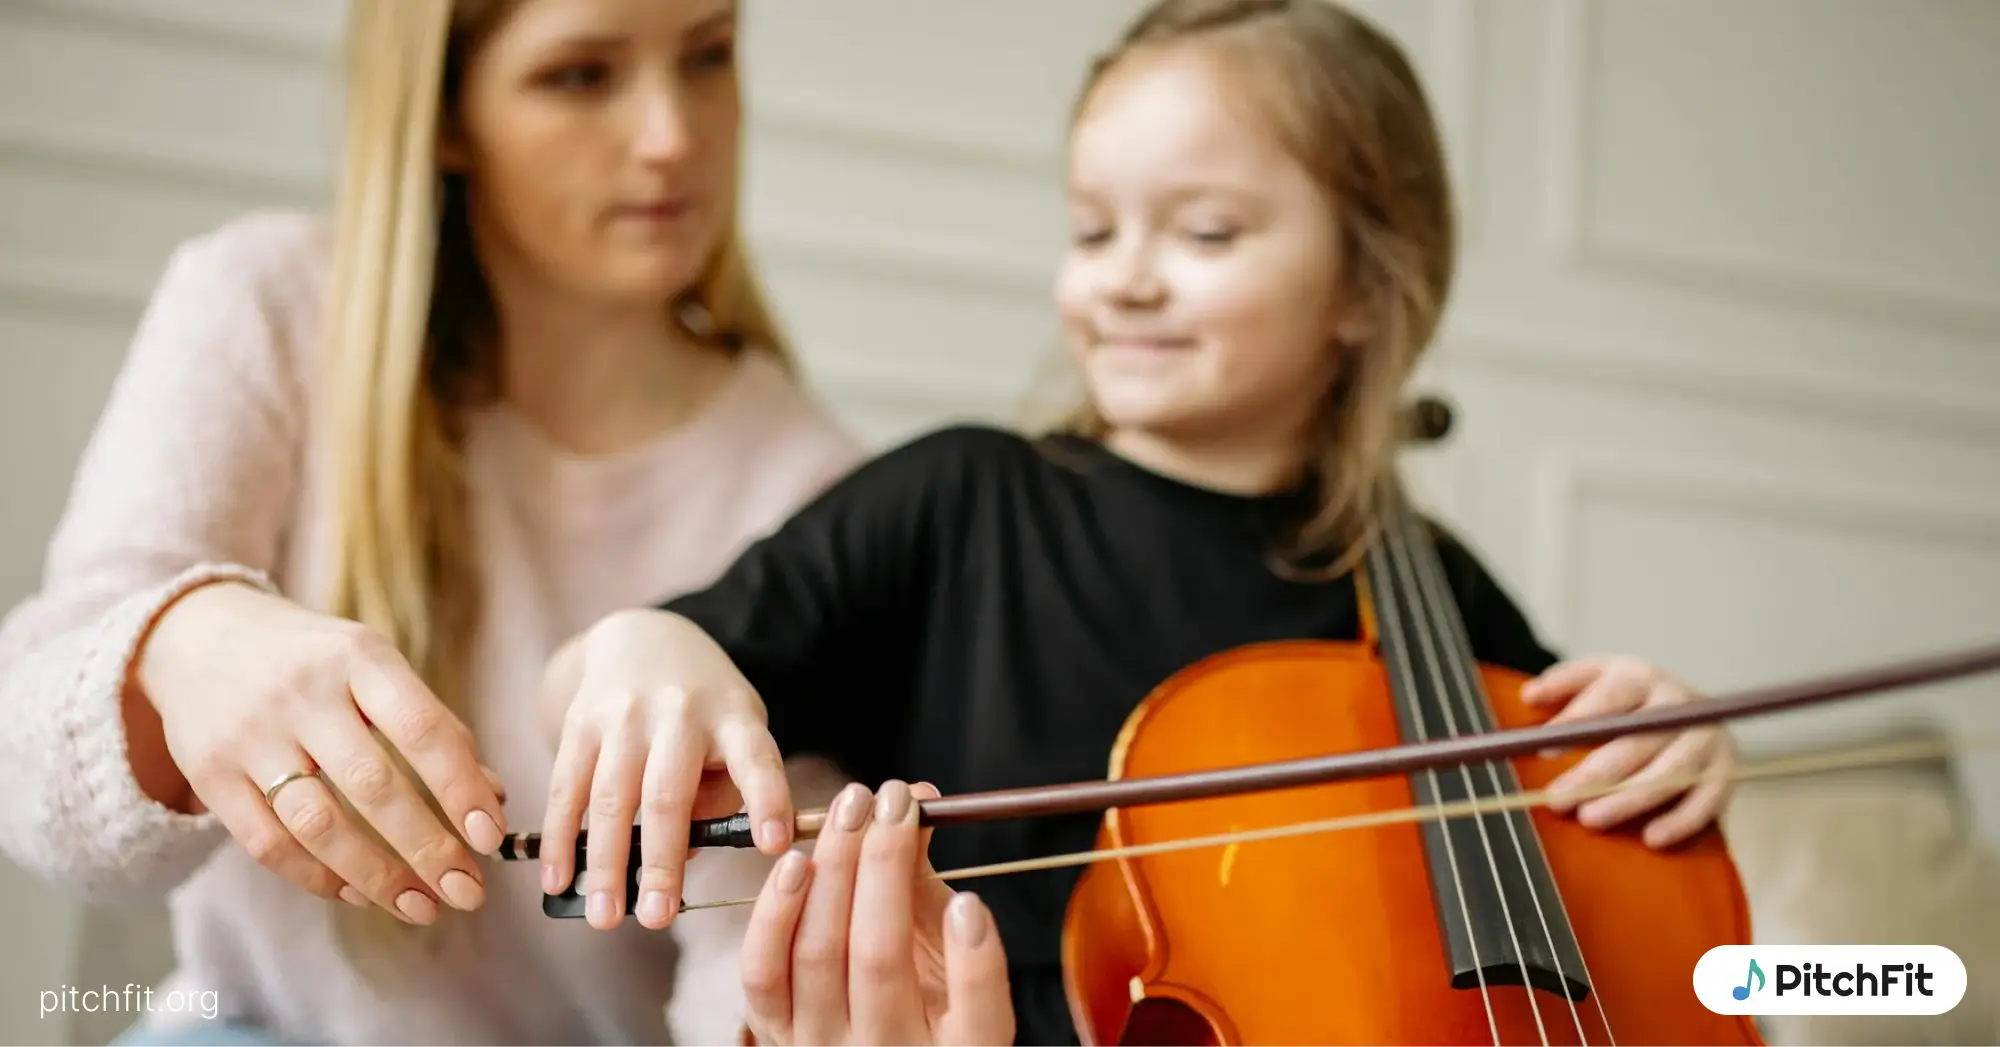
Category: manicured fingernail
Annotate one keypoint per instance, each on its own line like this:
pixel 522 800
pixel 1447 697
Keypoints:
pixel 774 833
pixel 853 807
pixel 551 881
pixel 791 872
pixel 968 919
pixel 600 907
pixel 462 891
pixel 892 803
pixel 482 832
pixel 417 906
pixel 353 897
pixel 653 907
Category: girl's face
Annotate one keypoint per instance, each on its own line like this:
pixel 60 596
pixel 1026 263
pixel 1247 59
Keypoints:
pixel 1197 293
pixel 599 141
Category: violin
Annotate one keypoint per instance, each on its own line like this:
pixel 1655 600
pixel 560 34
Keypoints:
pixel 1219 905
pixel 1507 926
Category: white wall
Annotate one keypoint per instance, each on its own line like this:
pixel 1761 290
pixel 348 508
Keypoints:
pixel 1731 291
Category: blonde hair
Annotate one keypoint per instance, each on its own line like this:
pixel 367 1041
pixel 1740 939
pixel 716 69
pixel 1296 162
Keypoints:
pixel 1346 102
pixel 408 342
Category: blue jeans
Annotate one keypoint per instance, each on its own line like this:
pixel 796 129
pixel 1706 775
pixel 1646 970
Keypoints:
pixel 223 1032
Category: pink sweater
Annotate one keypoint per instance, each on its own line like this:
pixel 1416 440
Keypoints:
pixel 204 465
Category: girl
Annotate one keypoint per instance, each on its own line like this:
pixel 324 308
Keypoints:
pixel 1263 242
pixel 368 474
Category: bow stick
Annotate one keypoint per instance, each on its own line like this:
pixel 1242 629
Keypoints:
pixel 1038 801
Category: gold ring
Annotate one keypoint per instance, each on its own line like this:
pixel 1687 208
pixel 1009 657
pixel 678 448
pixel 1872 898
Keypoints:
pixel 271 790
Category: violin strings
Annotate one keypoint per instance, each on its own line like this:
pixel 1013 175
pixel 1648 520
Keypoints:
pixel 1391 550
pixel 1786 767
pixel 1434 588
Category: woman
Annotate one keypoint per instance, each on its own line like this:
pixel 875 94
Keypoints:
pixel 354 485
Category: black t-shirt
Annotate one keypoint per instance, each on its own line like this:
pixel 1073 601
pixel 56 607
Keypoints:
pixel 982 611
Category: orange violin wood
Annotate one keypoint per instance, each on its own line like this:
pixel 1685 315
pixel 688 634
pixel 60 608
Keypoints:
pixel 1334 937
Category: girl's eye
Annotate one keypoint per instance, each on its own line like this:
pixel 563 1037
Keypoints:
pixel 1212 236
pixel 1089 237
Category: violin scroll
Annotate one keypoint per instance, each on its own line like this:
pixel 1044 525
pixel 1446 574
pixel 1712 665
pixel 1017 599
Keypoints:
pixel 1426 420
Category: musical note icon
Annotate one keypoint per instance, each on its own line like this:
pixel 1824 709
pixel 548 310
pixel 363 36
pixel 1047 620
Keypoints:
pixel 1742 992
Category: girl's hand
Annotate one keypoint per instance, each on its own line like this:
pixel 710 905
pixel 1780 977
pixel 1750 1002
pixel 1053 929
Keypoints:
pixel 1614 686
pixel 656 724
pixel 862 943
pixel 252 689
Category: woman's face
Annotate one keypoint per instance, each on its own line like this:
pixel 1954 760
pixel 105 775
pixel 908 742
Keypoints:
pixel 599 143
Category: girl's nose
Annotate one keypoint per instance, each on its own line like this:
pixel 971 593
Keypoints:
pixel 1128 276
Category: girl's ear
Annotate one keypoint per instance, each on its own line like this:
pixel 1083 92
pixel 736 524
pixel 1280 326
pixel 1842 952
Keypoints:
pixel 1353 323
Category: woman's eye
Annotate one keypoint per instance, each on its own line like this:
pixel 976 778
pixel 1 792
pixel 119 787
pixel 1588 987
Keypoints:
pixel 1212 236
pixel 582 76
pixel 716 56
pixel 1088 237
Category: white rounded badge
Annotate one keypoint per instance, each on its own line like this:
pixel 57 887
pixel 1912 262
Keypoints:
pixel 1829 979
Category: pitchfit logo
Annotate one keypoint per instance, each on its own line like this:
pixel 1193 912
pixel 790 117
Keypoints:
pixel 1829 979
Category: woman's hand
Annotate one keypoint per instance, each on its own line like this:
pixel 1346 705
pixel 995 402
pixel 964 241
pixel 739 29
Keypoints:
pixel 251 688
pixel 1652 767
pixel 656 724
pixel 862 943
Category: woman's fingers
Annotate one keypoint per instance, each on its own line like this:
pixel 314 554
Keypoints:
pixel 262 831
pixel 980 1005
pixel 880 968
pixel 828 953
pixel 363 772
pixel 312 816
pixel 933 894
pixel 671 785
pixel 820 948
pixel 435 743
pixel 767 948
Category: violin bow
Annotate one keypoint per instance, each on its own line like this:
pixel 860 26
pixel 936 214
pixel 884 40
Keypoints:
pixel 1079 797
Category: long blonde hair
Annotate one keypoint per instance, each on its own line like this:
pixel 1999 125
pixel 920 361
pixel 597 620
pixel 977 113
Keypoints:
pixel 408 341
pixel 1348 105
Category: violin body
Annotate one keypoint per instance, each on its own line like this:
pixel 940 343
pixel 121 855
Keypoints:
pixel 1347 936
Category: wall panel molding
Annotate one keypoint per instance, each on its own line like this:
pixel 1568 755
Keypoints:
pixel 280 39
pixel 1746 382
pixel 162 162
pixel 1563 482
pixel 1457 47
pixel 817 118
pixel 1570 72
